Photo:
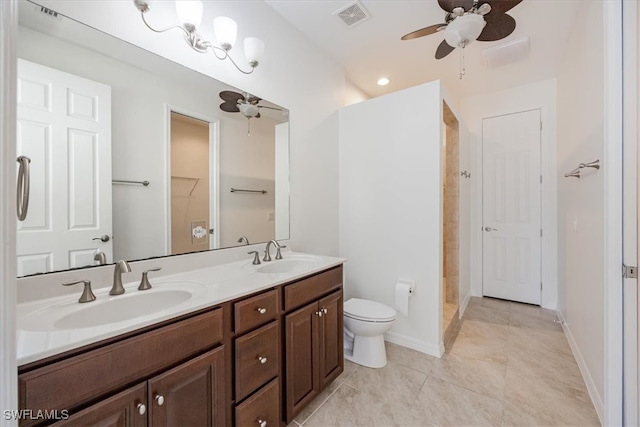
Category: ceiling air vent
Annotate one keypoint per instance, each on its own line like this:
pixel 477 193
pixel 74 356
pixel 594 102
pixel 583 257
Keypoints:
pixel 49 12
pixel 352 14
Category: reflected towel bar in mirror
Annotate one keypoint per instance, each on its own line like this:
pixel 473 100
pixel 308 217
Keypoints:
pixel 238 190
pixel 576 172
pixel 124 181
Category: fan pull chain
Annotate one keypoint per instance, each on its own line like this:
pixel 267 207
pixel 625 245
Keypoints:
pixel 463 70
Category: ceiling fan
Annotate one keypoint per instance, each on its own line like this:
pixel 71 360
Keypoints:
pixel 244 103
pixel 469 20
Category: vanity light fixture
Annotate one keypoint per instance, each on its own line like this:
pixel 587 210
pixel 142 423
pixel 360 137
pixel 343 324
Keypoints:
pixel 190 16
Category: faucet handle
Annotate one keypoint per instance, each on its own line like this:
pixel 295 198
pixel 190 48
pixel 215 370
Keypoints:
pixel 256 257
pixel 87 293
pixel 144 283
pixel 278 254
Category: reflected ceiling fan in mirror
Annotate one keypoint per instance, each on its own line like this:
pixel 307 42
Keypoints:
pixel 245 103
pixel 469 20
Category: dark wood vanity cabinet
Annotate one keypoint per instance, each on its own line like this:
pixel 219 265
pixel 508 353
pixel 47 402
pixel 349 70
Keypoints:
pixel 244 363
pixel 313 341
pixel 190 394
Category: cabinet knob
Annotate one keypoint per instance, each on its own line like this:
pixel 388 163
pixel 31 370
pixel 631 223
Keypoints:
pixel 261 310
pixel 159 399
pixel 141 408
pixel 319 313
pixel 324 310
pixel 262 360
pixel 261 423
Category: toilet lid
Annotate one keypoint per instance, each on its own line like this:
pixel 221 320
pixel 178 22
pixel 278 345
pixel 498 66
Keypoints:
pixel 363 309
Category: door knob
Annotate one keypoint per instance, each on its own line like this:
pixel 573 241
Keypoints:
pixel 103 239
pixel 489 229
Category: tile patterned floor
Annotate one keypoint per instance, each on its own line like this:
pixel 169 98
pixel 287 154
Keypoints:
pixel 509 366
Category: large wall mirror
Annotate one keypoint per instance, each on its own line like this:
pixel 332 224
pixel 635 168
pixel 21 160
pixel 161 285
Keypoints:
pixel 132 156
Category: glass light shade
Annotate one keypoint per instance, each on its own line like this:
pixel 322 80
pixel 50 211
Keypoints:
pixel 189 12
pixel 226 31
pixel 253 50
pixel 466 28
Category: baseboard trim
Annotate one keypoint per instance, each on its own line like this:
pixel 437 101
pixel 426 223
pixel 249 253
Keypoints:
pixel 596 399
pixel 414 344
pixel 464 304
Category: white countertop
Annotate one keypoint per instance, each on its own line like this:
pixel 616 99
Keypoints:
pixel 38 335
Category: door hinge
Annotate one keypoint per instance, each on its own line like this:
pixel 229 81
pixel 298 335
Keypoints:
pixel 540 285
pixel 541 232
pixel 540 125
pixel 540 179
pixel 629 271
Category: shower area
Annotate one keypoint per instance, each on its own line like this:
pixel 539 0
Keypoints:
pixel 450 221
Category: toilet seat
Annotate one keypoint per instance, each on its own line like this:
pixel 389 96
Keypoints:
pixel 368 311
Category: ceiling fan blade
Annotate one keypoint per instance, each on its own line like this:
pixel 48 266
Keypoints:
pixel 270 108
pixel 257 116
pixel 253 100
pixel 449 5
pixel 230 96
pixel 499 7
pixel 229 107
pixel 423 32
pixel 497 28
pixel 443 50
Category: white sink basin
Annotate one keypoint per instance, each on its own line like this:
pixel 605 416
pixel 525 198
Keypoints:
pixel 107 309
pixel 119 309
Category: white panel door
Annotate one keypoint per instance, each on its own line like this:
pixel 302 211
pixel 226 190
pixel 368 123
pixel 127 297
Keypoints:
pixel 64 126
pixel 511 207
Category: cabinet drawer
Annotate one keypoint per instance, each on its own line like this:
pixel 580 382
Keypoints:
pixel 74 381
pixel 307 290
pixel 262 406
pixel 255 311
pixel 257 359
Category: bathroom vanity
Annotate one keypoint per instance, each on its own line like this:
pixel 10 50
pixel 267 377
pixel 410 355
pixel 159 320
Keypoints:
pixel 254 359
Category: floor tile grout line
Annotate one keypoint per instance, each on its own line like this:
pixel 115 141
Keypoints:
pixel 501 401
pixel 325 400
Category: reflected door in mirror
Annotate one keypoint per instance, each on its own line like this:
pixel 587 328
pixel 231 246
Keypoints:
pixel 64 126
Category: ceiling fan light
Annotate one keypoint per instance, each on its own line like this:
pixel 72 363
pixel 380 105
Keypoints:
pixel 253 50
pixel 484 9
pixel 226 31
pixel 465 29
pixel 248 110
pixel 189 13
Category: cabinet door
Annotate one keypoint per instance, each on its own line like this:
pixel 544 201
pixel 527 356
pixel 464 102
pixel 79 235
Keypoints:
pixel 331 336
pixel 302 354
pixel 125 409
pixel 191 394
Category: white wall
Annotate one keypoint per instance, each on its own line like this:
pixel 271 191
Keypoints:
pixel 540 95
pixel 581 202
pixel 353 94
pixel 8 102
pixel 390 206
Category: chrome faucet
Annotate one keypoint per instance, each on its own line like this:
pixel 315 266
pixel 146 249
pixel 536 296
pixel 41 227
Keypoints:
pixel 101 257
pixel 267 251
pixel 243 239
pixel 121 267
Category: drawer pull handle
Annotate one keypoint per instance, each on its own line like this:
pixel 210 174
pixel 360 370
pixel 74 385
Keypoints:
pixel 141 408
pixel 262 360
pixel 261 310
pixel 261 423
pixel 159 399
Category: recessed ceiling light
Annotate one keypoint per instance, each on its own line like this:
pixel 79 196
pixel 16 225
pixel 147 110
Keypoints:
pixel 383 81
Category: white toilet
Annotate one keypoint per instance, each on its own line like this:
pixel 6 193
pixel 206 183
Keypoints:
pixel 365 322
